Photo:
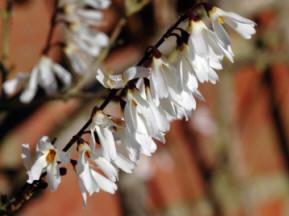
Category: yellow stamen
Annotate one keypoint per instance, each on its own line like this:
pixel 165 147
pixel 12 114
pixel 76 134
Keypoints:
pixel 117 121
pixel 87 154
pixel 221 19
pixel 163 67
pixel 134 103
pixel 51 156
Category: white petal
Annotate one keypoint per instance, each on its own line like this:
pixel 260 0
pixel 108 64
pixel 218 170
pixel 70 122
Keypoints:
pixel 26 156
pixel 84 174
pixel 130 115
pixel 129 143
pixel 238 18
pixel 92 140
pixel 245 30
pixel 83 193
pixel 10 86
pixel 37 168
pixel 158 81
pixel 98 4
pixel 90 16
pixel 123 163
pixel 44 144
pixel 46 76
pixel 62 74
pixel 109 170
pixel 103 182
pixel 221 33
pixel 120 80
pixel 107 142
pixel 53 176
pixel 29 93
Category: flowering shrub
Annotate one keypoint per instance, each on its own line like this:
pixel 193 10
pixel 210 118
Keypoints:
pixel 151 94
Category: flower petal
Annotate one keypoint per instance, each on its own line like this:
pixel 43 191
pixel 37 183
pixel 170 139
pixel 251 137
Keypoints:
pixel 26 156
pixel 53 176
pixel 62 74
pixel 28 94
pixel 109 170
pixel 123 163
pixel 11 86
pixel 36 169
pixel 103 182
pixel 107 142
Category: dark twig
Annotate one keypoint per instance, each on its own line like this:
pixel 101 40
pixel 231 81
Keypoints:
pixel 52 28
pixel 277 118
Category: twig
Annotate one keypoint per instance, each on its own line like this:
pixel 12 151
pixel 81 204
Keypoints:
pixel 52 28
pixel 277 117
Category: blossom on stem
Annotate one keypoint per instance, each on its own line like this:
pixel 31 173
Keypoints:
pixel 117 81
pixel 86 38
pixel 43 75
pixel 89 179
pixel 104 126
pixel 76 12
pixel 11 86
pixel 244 26
pixel 80 60
pixel 46 160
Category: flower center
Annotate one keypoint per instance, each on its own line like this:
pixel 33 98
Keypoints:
pixel 221 19
pixel 51 156
pixel 134 103
pixel 87 154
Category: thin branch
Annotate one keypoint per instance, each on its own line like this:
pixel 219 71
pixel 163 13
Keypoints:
pixel 277 116
pixel 52 28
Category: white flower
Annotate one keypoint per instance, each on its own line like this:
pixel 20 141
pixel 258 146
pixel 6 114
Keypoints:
pixel 158 80
pixel 117 81
pixel 179 102
pixel 98 4
pixel 138 134
pixel 46 160
pixel 104 126
pixel 11 86
pixel 43 74
pixel 244 26
pixel 89 179
pixel 186 77
pixel 80 61
pixel 87 39
pixel 205 52
pixel 206 44
pixel 76 13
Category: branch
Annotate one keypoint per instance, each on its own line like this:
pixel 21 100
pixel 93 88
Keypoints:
pixel 52 28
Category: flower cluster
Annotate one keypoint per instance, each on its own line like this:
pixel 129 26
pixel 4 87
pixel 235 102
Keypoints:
pixel 81 45
pixel 152 95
